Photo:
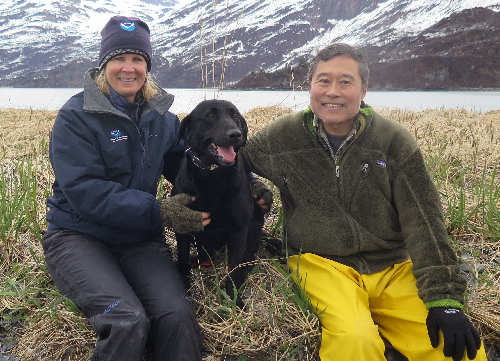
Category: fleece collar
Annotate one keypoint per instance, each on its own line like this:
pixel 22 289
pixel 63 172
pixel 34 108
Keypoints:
pixel 316 128
pixel 323 137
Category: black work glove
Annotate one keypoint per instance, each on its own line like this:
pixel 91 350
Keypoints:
pixel 175 214
pixel 262 191
pixel 458 332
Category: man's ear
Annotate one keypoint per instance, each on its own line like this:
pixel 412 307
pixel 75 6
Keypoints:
pixel 364 91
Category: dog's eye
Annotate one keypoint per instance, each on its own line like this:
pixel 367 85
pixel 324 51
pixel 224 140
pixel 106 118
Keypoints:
pixel 236 116
pixel 210 115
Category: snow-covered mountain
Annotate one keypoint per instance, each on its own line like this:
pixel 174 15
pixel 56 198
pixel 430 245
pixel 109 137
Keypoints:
pixel 53 41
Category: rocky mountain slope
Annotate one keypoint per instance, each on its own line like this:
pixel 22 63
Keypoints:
pixel 460 51
pixel 412 44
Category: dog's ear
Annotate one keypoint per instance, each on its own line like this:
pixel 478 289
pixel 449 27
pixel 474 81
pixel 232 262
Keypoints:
pixel 244 129
pixel 183 128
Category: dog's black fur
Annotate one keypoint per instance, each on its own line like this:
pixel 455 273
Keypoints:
pixel 215 131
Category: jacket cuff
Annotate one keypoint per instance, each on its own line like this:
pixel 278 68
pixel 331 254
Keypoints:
pixel 444 303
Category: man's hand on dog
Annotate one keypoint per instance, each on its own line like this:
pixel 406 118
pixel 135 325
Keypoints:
pixel 261 203
pixel 176 215
pixel 262 194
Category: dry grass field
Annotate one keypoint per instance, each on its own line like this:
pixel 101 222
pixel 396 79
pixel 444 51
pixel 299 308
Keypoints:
pixel 462 151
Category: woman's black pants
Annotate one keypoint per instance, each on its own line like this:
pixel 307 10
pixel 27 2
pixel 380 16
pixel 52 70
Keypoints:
pixel 131 295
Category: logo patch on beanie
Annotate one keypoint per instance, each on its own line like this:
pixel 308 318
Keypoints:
pixel 128 25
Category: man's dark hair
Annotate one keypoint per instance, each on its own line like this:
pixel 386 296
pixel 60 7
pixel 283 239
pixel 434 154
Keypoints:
pixel 340 49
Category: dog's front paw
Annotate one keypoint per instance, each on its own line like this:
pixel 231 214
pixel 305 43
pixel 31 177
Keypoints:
pixel 239 302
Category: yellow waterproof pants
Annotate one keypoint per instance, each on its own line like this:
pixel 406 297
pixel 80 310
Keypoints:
pixel 355 309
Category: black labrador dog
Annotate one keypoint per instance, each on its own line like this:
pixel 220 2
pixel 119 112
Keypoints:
pixel 211 171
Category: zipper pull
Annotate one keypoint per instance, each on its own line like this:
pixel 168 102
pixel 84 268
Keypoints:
pixel 365 168
pixel 337 171
pixel 285 183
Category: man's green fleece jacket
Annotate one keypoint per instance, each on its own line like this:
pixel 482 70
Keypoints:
pixel 375 207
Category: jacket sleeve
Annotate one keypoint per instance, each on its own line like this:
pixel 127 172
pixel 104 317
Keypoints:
pixel 418 204
pixel 81 177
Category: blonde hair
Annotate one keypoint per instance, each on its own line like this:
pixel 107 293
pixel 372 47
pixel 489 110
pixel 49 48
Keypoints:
pixel 148 89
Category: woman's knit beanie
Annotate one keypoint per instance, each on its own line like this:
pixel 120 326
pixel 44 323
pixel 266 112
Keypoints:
pixel 122 35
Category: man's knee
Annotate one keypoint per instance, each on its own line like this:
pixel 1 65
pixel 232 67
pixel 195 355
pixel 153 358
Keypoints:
pixel 355 341
pixel 357 333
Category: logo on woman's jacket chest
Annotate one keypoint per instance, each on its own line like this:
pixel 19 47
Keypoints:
pixel 116 136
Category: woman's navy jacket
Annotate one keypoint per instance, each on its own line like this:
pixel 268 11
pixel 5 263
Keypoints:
pixel 107 168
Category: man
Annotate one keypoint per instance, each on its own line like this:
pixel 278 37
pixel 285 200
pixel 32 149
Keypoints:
pixel 363 226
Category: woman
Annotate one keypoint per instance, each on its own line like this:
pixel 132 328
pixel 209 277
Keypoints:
pixel 104 246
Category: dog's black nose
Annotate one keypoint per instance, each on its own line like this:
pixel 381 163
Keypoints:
pixel 234 134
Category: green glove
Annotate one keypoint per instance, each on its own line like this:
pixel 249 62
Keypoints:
pixel 262 191
pixel 175 214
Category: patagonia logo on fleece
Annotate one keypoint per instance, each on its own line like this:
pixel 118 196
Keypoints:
pixel 382 163
pixel 117 136
pixel 111 306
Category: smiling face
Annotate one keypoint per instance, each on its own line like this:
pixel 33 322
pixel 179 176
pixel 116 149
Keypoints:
pixel 126 74
pixel 336 93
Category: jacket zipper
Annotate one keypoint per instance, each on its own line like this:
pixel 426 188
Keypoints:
pixel 337 165
pixel 337 162
pixel 143 146
pixel 337 173
pixel 286 194
pixel 362 175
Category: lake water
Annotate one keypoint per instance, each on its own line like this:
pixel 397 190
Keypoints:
pixel 186 99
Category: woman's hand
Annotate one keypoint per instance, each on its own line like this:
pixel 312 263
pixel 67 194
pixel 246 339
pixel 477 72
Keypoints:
pixel 176 215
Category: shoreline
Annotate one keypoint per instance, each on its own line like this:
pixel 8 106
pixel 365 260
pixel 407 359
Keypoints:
pixel 186 99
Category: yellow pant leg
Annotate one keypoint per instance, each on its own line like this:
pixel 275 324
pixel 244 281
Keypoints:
pixel 354 308
pixel 348 331
pixel 401 314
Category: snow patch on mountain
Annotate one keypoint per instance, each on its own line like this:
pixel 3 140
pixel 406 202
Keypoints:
pixel 38 35
pixel 372 27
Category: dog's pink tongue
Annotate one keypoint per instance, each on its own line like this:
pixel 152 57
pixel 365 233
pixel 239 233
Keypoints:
pixel 228 153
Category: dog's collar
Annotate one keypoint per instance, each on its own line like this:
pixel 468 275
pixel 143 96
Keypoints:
pixel 197 161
